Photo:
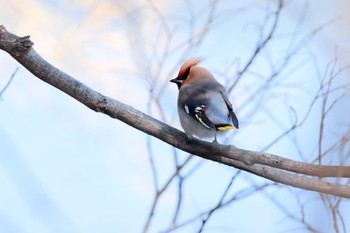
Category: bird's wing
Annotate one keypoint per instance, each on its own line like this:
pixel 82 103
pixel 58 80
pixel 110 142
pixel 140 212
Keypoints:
pixel 232 115
pixel 214 113
pixel 194 103
pixel 197 112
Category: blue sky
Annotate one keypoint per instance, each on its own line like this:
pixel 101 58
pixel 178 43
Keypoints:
pixel 65 168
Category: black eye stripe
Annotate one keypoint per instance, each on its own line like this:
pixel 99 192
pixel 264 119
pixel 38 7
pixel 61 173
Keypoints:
pixel 185 75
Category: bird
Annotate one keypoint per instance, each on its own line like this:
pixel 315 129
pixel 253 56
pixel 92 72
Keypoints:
pixel 204 108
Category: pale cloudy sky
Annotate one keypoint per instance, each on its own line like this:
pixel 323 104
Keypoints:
pixel 65 168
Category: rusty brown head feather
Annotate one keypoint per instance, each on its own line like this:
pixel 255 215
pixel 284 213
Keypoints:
pixel 185 71
pixel 185 68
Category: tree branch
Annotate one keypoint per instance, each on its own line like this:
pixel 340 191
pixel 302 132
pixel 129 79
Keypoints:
pixel 266 165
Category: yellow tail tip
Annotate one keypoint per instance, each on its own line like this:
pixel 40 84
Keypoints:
pixel 226 127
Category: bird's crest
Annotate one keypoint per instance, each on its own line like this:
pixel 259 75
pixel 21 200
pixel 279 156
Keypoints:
pixel 185 68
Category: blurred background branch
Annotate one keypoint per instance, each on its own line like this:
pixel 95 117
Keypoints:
pixel 8 83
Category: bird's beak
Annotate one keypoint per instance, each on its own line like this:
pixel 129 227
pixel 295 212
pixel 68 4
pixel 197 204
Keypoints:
pixel 177 81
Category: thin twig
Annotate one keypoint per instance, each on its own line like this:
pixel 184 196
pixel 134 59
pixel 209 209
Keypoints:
pixel 259 47
pixel 239 195
pixel 8 83
pixel 160 192
pixel 217 207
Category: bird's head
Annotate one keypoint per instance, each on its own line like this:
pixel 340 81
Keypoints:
pixel 185 71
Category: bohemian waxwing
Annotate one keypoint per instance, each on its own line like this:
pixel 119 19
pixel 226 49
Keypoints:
pixel 203 105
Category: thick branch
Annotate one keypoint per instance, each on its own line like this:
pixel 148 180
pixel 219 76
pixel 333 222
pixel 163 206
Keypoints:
pixel 266 165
